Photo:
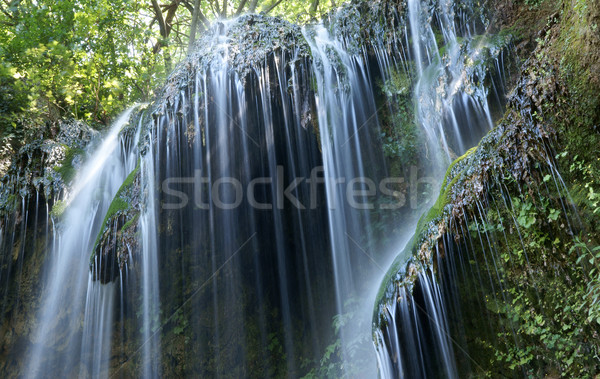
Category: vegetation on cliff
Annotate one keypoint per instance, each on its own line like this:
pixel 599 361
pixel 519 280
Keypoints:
pixel 519 212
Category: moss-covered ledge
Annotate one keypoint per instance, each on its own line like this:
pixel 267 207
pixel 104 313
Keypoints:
pixel 513 175
pixel 117 237
pixel 511 148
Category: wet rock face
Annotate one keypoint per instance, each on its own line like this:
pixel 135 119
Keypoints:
pixel 490 191
pixel 252 39
pixel 513 148
pixel 244 43
pixel 517 144
pixel 36 166
pixel 74 133
pixel 369 23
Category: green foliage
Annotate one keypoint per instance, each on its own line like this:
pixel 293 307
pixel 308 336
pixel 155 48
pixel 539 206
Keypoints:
pixel 587 180
pixel 590 257
pixel 301 11
pixel 13 101
pixel 554 280
pixel 90 59
pixel 541 302
pixel 17 123
pixel 79 58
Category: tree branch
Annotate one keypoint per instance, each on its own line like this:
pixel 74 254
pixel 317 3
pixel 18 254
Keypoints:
pixel 252 7
pixel 170 15
pixel 215 6
pixel 313 7
pixel 164 33
pixel 240 7
pixel 159 17
pixel 189 7
pixel 195 14
pixel 276 3
pixel 201 17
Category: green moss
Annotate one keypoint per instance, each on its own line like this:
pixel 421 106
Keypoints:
pixel 132 221
pixel 130 178
pixel 434 213
pixel 119 204
pixel 444 198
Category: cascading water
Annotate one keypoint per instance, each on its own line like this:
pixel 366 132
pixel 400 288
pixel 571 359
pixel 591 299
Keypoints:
pixel 347 116
pixel 59 344
pixel 251 223
pixel 150 267
pixel 222 151
pixel 452 107
pixel 237 159
pixel 98 321
pixel 451 101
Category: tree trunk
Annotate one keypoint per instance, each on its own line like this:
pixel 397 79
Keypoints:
pixel 313 7
pixel 252 7
pixel 164 33
pixel 194 25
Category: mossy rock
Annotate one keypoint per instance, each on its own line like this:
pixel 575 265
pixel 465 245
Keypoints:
pixel 554 106
pixel 511 149
pixel 118 233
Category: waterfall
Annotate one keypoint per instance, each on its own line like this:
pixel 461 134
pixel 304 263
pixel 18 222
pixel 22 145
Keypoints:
pixel 97 329
pixel 347 116
pixel 225 152
pixel 255 208
pixel 452 101
pixel 265 206
pixel 150 267
pixel 58 342
pixel 452 108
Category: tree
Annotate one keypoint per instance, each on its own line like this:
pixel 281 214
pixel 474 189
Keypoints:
pixel 88 59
